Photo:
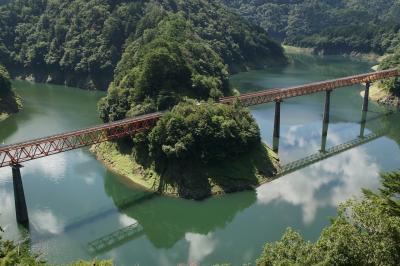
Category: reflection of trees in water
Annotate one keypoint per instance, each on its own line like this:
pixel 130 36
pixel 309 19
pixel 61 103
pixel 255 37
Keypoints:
pixel 391 122
pixel 394 127
pixel 7 128
pixel 166 220
pixel 318 64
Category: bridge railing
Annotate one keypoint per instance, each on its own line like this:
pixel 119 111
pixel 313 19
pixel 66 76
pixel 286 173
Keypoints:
pixel 34 149
pixel 271 95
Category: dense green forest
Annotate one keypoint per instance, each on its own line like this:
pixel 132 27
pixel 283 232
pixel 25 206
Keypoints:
pixel 80 43
pixel 195 146
pixel 196 150
pixel 329 26
pixel 366 232
pixel 8 99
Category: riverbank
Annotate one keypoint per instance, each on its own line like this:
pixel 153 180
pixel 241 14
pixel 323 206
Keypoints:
pixel 309 50
pixel 295 49
pixel 247 172
pixel 381 96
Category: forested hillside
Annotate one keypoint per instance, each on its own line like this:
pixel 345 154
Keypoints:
pixel 8 102
pixel 80 42
pixel 329 26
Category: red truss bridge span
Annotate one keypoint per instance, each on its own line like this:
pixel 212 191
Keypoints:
pixel 274 95
pixel 15 154
pixel 42 147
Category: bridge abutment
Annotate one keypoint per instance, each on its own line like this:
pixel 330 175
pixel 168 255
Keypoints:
pixel 21 210
pixel 366 97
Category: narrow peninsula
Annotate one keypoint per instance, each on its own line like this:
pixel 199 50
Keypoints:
pixel 196 150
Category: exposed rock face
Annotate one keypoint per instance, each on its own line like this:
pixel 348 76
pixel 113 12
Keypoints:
pixel 389 100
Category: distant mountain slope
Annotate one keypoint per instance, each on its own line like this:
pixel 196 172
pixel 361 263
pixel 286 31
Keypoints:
pixel 80 42
pixel 329 26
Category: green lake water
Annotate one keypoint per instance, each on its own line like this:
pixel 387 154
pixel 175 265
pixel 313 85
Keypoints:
pixel 74 201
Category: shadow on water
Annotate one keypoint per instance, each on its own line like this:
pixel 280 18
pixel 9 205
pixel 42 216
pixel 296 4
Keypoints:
pixel 163 220
pixel 7 128
pixel 166 220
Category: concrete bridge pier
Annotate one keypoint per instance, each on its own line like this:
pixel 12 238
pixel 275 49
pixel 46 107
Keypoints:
pixel 277 122
pixel 327 106
pixel 277 125
pixel 366 97
pixel 363 124
pixel 325 120
pixel 21 210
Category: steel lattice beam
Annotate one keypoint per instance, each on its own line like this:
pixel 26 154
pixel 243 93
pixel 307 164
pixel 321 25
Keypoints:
pixel 38 148
pixel 271 95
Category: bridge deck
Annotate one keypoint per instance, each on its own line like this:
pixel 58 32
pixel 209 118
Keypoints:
pixel 37 148
pixel 271 95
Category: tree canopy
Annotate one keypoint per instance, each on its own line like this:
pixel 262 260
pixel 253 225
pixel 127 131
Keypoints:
pixel 80 42
pixel 195 137
pixel 8 102
pixel 329 26
pixel 155 72
pixel 392 61
pixel 5 83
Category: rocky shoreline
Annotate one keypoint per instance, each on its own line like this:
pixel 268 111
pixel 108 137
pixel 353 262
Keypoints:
pixel 381 96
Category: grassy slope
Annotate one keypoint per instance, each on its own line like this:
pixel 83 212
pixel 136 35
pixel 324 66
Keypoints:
pixel 247 172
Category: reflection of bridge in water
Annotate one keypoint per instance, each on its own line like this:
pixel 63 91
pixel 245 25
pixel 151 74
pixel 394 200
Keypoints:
pixel 322 155
pixel 116 238
pixel 134 231
pixel 327 153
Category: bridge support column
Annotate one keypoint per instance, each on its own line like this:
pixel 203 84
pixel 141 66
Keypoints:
pixel 277 125
pixel 327 106
pixel 363 123
pixel 277 122
pixel 366 97
pixel 325 120
pixel 21 210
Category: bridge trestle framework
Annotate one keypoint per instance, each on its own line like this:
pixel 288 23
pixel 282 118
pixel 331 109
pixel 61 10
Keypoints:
pixel 35 149
pixel 273 95
pixel 14 155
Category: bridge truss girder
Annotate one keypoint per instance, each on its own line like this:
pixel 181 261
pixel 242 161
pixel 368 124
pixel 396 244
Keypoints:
pixel 35 149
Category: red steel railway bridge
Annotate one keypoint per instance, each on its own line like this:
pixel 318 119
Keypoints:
pixel 15 154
